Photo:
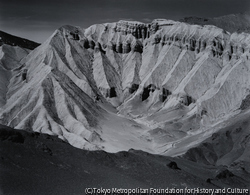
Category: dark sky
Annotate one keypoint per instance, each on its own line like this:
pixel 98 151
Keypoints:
pixel 38 19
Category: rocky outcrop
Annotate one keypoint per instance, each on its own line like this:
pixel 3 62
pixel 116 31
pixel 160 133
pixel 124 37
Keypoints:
pixel 75 35
pixel 109 92
pixel 138 30
pixel 160 73
pixel 134 87
pixel 165 93
pixel 146 91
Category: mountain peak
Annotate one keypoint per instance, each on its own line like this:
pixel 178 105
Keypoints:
pixel 128 72
pixel 165 87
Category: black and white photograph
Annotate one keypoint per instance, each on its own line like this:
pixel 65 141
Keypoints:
pixel 130 97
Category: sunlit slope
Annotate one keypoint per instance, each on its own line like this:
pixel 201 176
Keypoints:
pixel 122 85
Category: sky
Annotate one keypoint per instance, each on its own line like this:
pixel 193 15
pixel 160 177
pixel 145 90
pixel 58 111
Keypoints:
pixel 38 19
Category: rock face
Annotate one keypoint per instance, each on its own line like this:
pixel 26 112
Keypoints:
pixel 8 39
pixel 10 57
pixel 166 80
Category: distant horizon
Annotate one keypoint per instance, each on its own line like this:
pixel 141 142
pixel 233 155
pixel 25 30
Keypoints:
pixel 36 20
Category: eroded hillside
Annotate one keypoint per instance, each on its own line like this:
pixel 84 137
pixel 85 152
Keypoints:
pixel 124 85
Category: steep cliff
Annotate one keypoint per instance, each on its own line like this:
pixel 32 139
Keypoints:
pixel 118 85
